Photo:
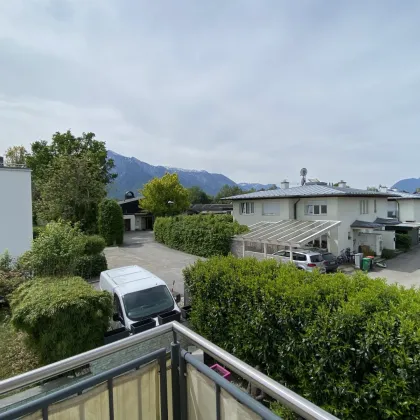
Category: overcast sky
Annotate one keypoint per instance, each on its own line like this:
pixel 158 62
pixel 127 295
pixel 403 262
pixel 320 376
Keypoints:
pixel 252 89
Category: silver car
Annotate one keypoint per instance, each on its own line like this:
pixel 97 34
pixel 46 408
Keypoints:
pixel 304 259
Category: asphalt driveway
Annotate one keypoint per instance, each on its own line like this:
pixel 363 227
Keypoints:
pixel 141 249
pixel 404 269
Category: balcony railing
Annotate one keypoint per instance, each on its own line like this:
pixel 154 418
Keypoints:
pixel 159 385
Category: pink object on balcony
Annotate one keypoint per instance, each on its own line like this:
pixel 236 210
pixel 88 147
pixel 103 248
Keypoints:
pixel 221 371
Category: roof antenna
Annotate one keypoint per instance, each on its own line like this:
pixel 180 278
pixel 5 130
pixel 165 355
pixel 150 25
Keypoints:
pixel 303 173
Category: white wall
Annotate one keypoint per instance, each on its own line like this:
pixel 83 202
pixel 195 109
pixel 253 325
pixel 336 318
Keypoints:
pixel 388 238
pixel 15 210
pixel 132 219
pixel 258 216
pixel 406 210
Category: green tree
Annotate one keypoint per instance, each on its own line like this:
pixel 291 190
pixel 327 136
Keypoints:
pixel 66 144
pixel 15 155
pixel 273 187
pixel 111 222
pixel 228 191
pixel 197 196
pixel 164 196
pixel 72 190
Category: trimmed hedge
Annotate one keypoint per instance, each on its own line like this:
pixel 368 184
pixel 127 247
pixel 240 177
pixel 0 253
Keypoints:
pixel 89 266
pixel 111 222
pixel 62 318
pixel 201 235
pixel 350 344
pixel 94 244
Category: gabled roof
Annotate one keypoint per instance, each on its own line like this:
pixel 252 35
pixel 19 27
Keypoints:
pixel 311 191
pixel 401 195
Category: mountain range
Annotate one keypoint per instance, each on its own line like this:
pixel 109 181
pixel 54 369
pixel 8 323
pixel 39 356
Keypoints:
pixel 133 174
pixel 410 185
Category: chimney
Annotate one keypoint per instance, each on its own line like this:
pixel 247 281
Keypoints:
pixel 383 188
pixel 1 161
pixel 284 184
pixel 342 184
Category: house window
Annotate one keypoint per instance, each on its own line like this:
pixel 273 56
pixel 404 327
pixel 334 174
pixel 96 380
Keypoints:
pixel 247 208
pixel 315 209
pixel 364 206
pixel 271 209
pixel 374 205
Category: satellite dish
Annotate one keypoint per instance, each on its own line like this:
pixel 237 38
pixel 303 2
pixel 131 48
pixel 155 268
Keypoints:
pixel 303 173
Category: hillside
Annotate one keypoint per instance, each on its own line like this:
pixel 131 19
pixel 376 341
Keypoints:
pixel 133 174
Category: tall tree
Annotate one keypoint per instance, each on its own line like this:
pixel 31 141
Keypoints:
pixel 15 155
pixel 273 187
pixel 197 196
pixel 66 144
pixel 164 196
pixel 228 191
pixel 72 190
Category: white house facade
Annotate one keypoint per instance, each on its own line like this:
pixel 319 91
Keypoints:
pixel 15 210
pixel 359 212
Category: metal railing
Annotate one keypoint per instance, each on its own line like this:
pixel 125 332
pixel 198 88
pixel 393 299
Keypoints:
pixel 285 396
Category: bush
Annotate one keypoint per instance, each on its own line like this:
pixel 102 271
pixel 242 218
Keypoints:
pixel 9 282
pixel 111 222
pixel 62 318
pixel 89 266
pixel 36 231
pixel 403 241
pixel 94 244
pixel 6 261
pixel 202 235
pixel 388 253
pixel 55 250
pixel 350 344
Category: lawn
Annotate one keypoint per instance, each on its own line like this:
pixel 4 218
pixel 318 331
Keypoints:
pixel 16 358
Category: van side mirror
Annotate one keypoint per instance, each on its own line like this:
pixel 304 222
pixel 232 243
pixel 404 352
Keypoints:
pixel 177 297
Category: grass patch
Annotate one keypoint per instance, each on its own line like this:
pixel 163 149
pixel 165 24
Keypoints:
pixel 16 358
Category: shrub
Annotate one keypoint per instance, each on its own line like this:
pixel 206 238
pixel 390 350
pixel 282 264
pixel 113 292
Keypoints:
pixel 94 244
pixel 62 318
pixel 202 235
pixel 350 344
pixel 36 231
pixel 89 266
pixel 388 253
pixel 403 241
pixel 6 261
pixel 111 222
pixel 56 250
pixel 9 282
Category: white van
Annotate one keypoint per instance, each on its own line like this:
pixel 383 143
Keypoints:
pixel 138 294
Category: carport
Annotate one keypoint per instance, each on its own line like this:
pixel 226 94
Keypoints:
pixel 287 233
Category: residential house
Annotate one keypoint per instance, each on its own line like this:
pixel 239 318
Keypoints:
pixel 335 218
pixel 135 218
pixel 224 208
pixel 15 209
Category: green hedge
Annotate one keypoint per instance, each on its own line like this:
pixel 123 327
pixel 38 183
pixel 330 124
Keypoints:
pixel 403 241
pixel 62 318
pixel 350 344
pixel 89 266
pixel 111 222
pixel 36 231
pixel 94 244
pixel 9 282
pixel 202 235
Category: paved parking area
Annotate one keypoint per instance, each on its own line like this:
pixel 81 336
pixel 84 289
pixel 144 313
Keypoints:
pixel 404 269
pixel 141 249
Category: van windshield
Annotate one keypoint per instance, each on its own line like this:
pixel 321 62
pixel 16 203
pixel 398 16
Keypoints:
pixel 148 303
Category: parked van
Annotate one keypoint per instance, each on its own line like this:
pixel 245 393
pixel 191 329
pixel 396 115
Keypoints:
pixel 138 294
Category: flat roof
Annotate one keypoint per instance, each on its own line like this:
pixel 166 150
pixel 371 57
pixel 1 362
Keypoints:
pixel 315 190
pixel 288 232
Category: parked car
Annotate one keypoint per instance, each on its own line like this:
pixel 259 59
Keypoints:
pixel 304 259
pixel 138 295
pixel 330 260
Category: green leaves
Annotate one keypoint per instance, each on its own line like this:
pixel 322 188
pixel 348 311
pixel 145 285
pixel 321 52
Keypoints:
pixel 62 317
pixel 201 235
pixel 165 196
pixel 350 344
pixel 111 222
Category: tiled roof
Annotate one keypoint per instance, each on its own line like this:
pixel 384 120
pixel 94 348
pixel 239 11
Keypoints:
pixel 389 222
pixel 311 191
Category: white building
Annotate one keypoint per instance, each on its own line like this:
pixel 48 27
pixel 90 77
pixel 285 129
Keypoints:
pixel 15 210
pixel 337 218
